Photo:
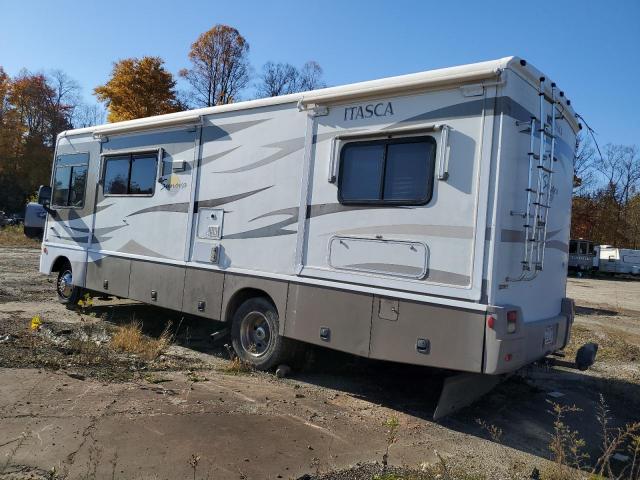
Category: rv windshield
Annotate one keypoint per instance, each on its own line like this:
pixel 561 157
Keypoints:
pixel 69 180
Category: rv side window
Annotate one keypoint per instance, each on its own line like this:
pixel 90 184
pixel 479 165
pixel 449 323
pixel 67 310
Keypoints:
pixel 394 171
pixel 69 180
pixel 130 174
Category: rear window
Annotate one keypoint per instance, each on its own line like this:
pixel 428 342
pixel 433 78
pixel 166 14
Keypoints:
pixel 390 171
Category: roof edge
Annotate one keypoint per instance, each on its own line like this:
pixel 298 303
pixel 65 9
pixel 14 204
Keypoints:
pixel 389 85
pixel 441 76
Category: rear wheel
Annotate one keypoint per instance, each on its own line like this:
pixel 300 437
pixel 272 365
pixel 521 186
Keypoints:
pixel 255 337
pixel 68 293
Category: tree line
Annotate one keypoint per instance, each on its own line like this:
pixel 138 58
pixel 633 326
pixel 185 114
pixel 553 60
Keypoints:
pixel 219 74
pixel 35 107
pixel 606 200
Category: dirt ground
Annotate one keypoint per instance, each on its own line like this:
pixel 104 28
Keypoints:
pixel 71 407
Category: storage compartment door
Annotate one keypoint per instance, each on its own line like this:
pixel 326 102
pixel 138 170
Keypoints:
pixel 108 274
pixel 388 257
pixel 157 284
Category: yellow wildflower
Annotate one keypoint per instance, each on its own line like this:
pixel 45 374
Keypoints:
pixel 36 322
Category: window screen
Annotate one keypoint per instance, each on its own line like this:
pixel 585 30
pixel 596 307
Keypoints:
pixel 130 174
pixel 70 180
pixel 395 171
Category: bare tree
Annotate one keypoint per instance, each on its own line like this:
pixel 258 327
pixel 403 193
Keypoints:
pixel 629 173
pixel 620 168
pixel 220 67
pixel 310 77
pixel 63 101
pixel 620 173
pixel 584 165
pixel 277 79
pixel 284 78
pixel 89 115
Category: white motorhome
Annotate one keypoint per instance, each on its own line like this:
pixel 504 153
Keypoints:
pixel 420 219
pixel 617 260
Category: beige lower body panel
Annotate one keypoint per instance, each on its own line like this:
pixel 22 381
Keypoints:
pixel 109 275
pixel 454 338
pixel 359 323
pixel 311 310
pixel 203 293
pixel 157 284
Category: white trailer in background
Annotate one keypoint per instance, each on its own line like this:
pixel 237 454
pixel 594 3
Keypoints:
pixel 420 219
pixel 617 260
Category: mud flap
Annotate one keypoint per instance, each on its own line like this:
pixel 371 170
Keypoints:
pixel 461 390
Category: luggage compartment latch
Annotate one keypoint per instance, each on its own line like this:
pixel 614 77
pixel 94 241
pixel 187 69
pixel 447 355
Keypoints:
pixel 423 345
pixel 325 334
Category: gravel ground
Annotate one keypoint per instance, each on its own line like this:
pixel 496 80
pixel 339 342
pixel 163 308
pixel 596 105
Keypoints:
pixel 70 403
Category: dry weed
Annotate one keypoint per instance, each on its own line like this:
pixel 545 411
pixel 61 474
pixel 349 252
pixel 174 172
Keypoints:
pixel 130 339
pixel 13 236
pixel 237 366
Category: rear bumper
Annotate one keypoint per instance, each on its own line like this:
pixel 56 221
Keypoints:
pixel 533 340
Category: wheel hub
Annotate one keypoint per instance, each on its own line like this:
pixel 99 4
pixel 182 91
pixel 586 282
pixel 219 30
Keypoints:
pixel 65 284
pixel 255 334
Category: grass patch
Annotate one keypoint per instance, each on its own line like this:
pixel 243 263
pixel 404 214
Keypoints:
pixel 193 377
pixel 151 378
pixel 237 366
pixel 13 236
pixel 130 339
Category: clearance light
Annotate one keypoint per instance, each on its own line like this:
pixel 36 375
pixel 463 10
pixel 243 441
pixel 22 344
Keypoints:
pixel 512 318
pixel 491 321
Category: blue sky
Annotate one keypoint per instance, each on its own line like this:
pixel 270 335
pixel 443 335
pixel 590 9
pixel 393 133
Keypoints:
pixel 590 48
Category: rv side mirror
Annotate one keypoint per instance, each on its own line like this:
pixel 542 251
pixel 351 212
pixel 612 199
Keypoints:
pixel 44 195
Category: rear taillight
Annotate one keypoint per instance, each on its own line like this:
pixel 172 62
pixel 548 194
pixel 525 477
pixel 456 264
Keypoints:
pixel 512 319
pixel 491 321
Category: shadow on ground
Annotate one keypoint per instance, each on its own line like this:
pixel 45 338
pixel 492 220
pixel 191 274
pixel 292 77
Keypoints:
pixel 595 311
pixel 520 406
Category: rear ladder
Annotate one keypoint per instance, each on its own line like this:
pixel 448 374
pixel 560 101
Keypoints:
pixel 539 186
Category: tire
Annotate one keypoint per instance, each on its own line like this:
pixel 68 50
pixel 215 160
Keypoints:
pixel 68 294
pixel 255 338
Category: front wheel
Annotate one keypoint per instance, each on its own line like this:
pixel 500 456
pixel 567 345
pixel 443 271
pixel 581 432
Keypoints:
pixel 68 293
pixel 255 337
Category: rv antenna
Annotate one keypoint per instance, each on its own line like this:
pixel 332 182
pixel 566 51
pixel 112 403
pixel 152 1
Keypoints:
pixel 592 132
